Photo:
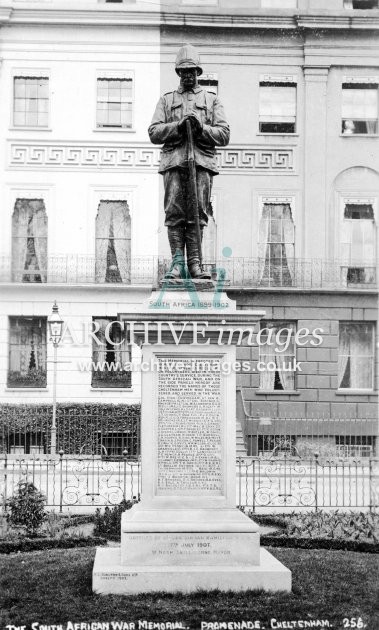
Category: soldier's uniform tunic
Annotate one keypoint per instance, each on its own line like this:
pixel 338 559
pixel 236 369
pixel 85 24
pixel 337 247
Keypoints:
pixel 174 157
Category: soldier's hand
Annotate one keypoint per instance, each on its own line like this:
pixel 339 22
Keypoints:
pixel 182 124
pixel 196 124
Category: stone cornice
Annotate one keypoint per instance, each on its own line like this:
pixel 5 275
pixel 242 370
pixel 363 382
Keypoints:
pixel 327 22
pixel 125 15
pixel 5 15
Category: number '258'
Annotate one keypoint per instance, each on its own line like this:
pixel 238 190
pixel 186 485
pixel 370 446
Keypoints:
pixel 353 622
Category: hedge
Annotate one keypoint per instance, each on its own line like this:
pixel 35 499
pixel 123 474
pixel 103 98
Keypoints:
pixel 38 544
pixel 78 424
pixel 319 543
pixel 17 415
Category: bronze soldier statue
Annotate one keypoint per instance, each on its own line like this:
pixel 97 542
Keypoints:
pixel 188 121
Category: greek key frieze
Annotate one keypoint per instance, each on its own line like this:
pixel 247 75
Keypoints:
pixel 272 159
pixel 25 155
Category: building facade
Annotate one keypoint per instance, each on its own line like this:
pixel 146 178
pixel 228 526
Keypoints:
pixel 295 207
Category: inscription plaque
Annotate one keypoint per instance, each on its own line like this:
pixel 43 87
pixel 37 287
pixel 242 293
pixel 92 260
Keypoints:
pixel 179 549
pixel 189 426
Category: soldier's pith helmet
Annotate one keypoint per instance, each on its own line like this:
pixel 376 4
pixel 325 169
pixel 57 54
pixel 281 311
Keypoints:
pixel 188 57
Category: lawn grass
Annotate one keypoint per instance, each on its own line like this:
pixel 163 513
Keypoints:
pixel 53 587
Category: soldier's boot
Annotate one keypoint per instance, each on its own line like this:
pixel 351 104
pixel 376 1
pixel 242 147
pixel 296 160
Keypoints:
pixel 176 238
pixel 193 258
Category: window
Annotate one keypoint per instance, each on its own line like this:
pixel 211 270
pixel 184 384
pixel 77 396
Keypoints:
pixel 27 352
pixel 276 245
pixel 27 443
pixel 110 353
pixel 31 102
pixel 114 103
pixel 277 107
pixel 29 241
pixel 355 356
pixel 355 445
pixel 360 4
pixel 113 242
pixel 119 444
pixel 209 82
pixel 277 352
pixel 276 445
pixel 359 108
pixel 358 243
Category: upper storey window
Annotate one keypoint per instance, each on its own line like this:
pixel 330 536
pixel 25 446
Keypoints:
pixel 358 241
pixel 114 102
pixel 29 241
pixel 113 242
pixel 276 244
pixel 31 102
pixel 359 108
pixel 277 106
pixel 360 4
pixel 209 82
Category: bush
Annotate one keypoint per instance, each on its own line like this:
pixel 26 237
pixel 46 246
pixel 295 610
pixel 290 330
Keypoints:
pixel 77 519
pixel 27 508
pixel 109 523
pixel 358 526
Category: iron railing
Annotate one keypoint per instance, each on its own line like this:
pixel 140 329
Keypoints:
pixel 78 484
pixel 289 463
pixel 82 483
pixel 288 483
pixel 239 272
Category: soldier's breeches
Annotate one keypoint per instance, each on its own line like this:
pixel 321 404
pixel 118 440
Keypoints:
pixel 176 198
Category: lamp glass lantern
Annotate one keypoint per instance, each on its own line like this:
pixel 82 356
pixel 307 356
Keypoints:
pixel 55 323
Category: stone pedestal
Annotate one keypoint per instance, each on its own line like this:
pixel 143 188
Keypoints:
pixel 186 533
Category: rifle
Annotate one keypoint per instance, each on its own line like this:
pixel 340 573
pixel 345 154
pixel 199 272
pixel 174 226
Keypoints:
pixel 192 188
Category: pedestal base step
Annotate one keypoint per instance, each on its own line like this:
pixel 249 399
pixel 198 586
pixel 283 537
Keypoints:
pixel 111 577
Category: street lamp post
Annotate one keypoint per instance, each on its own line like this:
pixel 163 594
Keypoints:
pixel 55 323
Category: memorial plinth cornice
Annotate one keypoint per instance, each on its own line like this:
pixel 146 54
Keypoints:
pixel 156 326
pixel 126 16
